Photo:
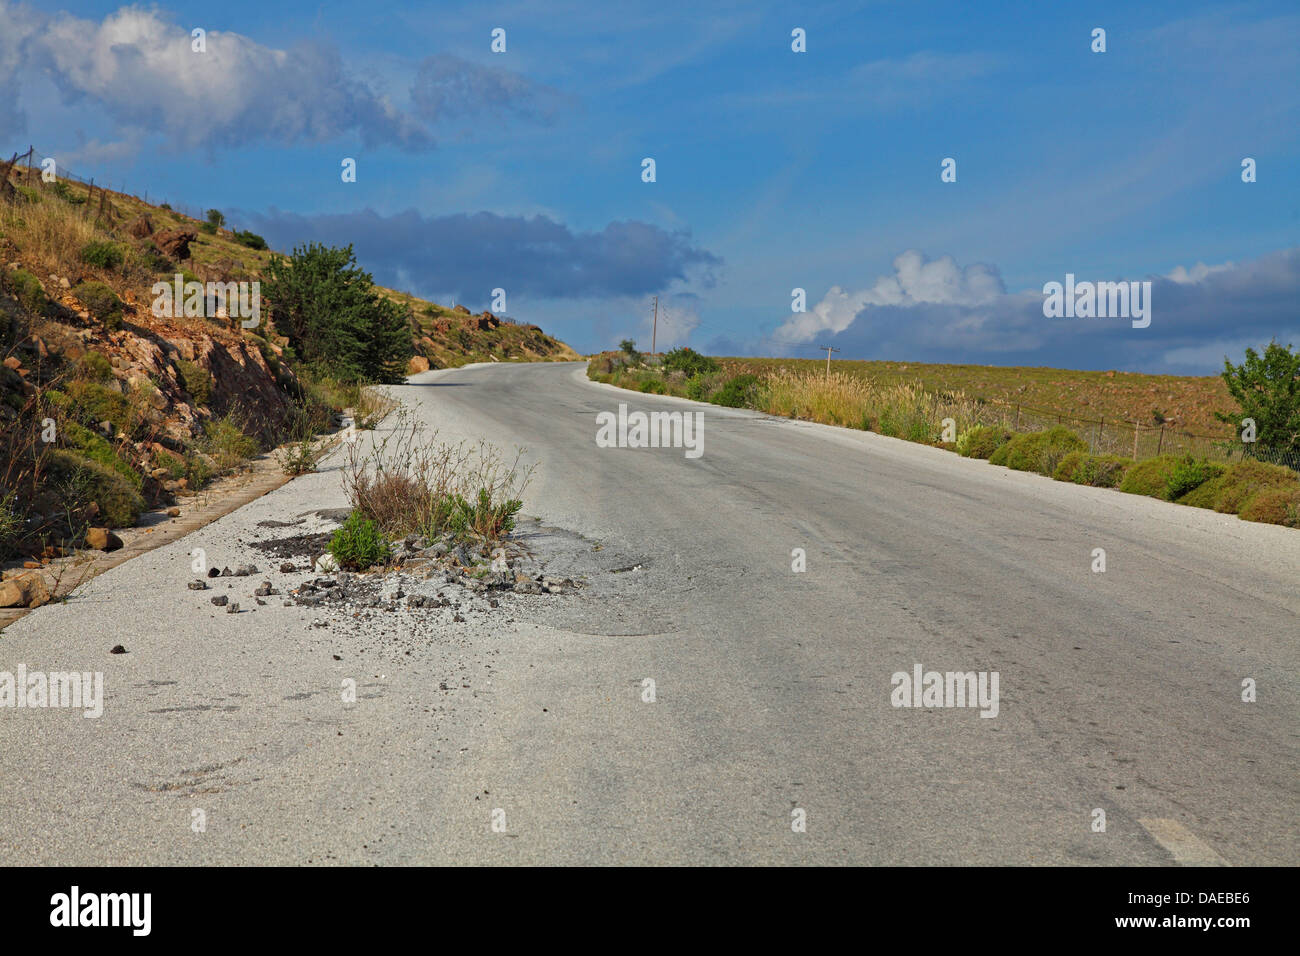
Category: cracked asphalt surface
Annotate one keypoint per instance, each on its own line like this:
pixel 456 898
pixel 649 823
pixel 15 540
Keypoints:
pixel 1120 690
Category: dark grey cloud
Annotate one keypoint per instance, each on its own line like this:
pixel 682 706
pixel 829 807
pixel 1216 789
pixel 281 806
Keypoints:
pixel 471 254
pixel 1197 317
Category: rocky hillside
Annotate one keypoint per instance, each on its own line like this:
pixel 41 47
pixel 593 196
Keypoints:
pixel 107 409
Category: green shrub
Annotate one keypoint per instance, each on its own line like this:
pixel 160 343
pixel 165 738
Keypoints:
pixel 1098 471
pixel 461 518
pixel 96 448
pixel 225 441
pixel 1204 494
pixel 95 403
pixel 250 239
pixel 334 316
pixel 175 464
pixel 198 471
pixel 31 195
pixel 738 392
pixel 357 544
pixel 630 355
pixel 82 480
pixel 1267 387
pixel 1242 481
pixel 196 380
pixel 689 362
pixel 1276 505
pixel 698 387
pixel 153 259
pixel 1150 477
pixel 95 367
pixel 1188 474
pixel 64 192
pixel 982 440
pixel 102 255
pixel 1038 451
pixel 27 289
pixel 101 302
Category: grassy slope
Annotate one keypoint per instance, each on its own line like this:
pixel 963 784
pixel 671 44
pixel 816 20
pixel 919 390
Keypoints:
pixel 1186 401
pixel 220 256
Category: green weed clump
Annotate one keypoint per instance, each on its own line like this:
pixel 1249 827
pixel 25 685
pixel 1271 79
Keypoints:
pixel 982 440
pixel 1098 471
pixel 196 380
pixel 1038 451
pixel 1150 477
pixel 1242 482
pixel 738 392
pixel 358 544
pixel 83 480
pixel 102 255
pixel 1188 474
pixel 226 442
pixel 101 302
pixel 27 289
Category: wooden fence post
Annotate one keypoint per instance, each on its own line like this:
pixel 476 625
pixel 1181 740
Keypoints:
pixel 1161 443
pixel 1136 426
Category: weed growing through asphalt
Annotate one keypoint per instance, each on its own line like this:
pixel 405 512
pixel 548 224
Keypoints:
pixel 358 544
pixel 411 482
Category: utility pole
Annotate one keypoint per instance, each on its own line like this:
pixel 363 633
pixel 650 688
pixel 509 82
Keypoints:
pixel 655 329
pixel 829 349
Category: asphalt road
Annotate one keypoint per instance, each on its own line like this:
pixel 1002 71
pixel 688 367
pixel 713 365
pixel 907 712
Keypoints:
pixel 1119 691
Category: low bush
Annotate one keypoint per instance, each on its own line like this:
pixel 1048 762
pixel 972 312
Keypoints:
pixel 1275 505
pixel 225 441
pixel 982 440
pixel 1098 471
pixel 175 464
pixel 102 255
pixel 409 482
pixel 1246 479
pixel 97 449
pixel 82 480
pixel 357 544
pixel 94 402
pixel 688 361
pixel 1188 474
pixel 27 289
pixel 250 239
pixel 196 380
pixel 1150 477
pixel 480 516
pixel 738 392
pixel 101 302
pixel 699 386
pixel 152 259
pixel 95 367
pixel 1038 451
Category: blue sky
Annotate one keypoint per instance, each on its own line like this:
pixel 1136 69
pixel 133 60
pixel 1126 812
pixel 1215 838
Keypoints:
pixel 775 170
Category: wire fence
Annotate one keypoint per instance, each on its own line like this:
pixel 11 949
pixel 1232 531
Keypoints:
pixel 26 169
pixel 1129 439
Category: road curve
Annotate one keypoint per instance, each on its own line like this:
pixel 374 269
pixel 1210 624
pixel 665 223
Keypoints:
pixel 771 737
